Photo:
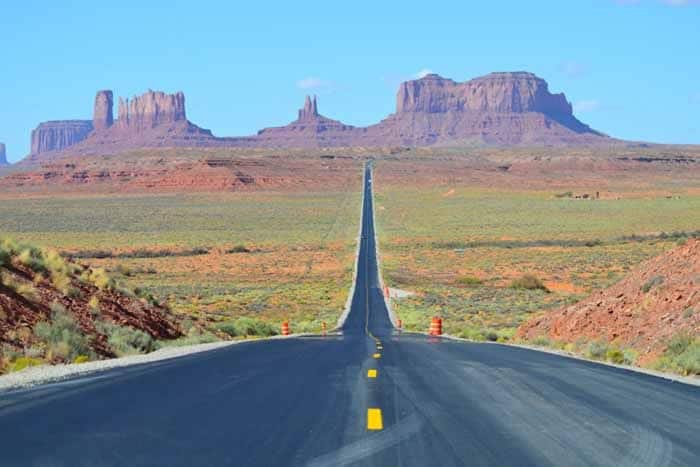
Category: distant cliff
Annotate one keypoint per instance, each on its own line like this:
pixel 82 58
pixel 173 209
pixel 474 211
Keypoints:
pixel 499 108
pixel 152 119
pixel 59 135
pixel 513 108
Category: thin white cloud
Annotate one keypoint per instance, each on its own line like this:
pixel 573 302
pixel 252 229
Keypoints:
pixel 573 69
pixel 422 73
pixel 586 106
pixel 312 82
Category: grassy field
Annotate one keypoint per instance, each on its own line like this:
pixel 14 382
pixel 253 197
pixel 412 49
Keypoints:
pixel 462 242
pixel 215 257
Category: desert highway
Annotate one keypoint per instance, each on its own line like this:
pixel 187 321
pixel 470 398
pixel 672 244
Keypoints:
pixel 314 401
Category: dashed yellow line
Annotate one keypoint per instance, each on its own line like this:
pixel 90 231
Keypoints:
pixel 374 415
pixel 374 419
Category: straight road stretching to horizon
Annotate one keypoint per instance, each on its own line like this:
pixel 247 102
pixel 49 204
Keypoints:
pixel 316 402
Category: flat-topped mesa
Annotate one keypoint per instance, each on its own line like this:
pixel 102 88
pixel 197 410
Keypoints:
pixel 511 92
pixel 103 115
pixel 310 110
pixel 58 135
pixel 150 110
pixel 499 108
pixel 3 156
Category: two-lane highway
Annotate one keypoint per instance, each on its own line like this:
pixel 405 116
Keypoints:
pixel 371 396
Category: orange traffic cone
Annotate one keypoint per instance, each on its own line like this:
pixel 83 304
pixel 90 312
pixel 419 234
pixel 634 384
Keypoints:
pixel 435 326
pixel 285 328
pixel 323 328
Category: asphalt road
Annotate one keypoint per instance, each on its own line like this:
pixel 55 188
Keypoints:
pixel 305 401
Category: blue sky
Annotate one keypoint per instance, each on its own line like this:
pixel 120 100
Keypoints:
pixel 631 68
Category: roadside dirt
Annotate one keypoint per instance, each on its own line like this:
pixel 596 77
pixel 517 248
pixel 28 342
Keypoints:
pixel 657 300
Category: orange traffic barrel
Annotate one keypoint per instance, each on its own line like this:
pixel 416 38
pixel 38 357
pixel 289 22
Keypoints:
pixel 285 328
pixel 386 291
pixel 435 326
pixel 323 328
pixel 400 323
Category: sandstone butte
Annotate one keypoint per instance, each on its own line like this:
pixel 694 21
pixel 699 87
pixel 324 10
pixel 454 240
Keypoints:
pixel 514 108
pixel 643 311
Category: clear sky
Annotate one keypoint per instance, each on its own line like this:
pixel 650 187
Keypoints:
pixel 631 68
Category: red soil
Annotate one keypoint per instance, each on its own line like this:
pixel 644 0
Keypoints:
pixel 658 299
pixel 167 170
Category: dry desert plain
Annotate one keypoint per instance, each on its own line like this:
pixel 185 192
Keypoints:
pixel 237 241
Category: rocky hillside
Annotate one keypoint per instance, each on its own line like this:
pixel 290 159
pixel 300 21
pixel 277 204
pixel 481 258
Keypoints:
pixel 651 310
pixel 55 310
pixel 514 108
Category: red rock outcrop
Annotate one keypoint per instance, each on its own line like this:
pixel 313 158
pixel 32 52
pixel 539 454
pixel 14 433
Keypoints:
pixel 103 114
pixel 154 119
pixel 497 92
pixel 499 108
pixel 642 311
pixel 150 110
pixel 310 110
pixel 58 135
pixel 311 129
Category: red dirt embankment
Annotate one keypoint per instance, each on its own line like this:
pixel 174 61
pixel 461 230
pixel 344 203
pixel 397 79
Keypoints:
pixel 658 299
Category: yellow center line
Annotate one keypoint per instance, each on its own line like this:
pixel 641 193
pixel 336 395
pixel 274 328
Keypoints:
pixel 374 419
pixel 374 415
